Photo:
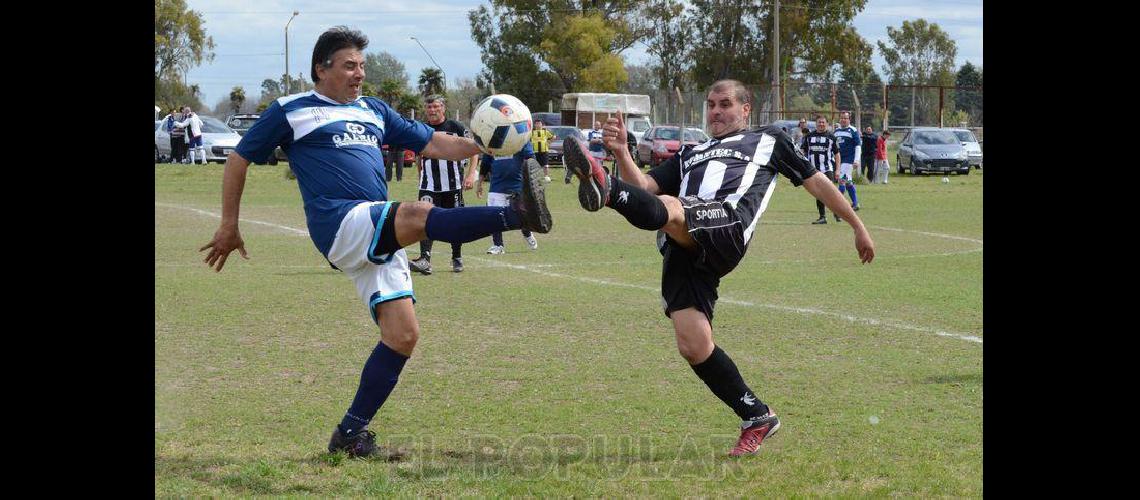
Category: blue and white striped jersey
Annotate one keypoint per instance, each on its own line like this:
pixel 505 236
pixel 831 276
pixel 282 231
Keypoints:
pixel 334 149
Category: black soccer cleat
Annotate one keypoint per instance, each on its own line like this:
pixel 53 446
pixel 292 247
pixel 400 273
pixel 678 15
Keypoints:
pixel 531 206
pixel 359 445
pixel 821 220
pixel 421 265
pixel 856 207
pixel 457 265
pixel 593 181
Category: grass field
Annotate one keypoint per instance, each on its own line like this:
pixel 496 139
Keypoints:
pixel 554 372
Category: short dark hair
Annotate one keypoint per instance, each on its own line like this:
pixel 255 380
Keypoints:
pixel 739 91
pixel 886 132
pixel 434 98
pixel 336 38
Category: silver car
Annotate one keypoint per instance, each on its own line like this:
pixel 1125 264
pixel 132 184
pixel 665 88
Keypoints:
pixel 217 139
pixel 972 144
pixel 931 149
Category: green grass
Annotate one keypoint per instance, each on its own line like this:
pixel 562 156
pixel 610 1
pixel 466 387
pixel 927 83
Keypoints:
pixel 560 376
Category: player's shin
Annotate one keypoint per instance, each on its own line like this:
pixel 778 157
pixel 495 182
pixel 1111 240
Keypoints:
pixel 638 206
pixel 466 224
pixel 722 377
pixel 377 379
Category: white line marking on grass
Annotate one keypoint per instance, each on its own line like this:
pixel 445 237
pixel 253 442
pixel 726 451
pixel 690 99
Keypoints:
pixel 727 300
pixel 251 221
pixel 656 290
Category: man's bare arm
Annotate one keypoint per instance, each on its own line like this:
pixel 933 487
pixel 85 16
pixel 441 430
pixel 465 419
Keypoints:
pixel 227 238
pixel 823 190
pixel 450 147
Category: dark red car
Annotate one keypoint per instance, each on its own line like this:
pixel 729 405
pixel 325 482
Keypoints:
pixel 663 141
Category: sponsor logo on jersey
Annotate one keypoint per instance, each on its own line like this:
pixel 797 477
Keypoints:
pixel 355 135
pixel 716 153
pixel 712 213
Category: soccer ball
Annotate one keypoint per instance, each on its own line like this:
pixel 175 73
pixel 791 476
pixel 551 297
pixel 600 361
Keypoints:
pixel 501 125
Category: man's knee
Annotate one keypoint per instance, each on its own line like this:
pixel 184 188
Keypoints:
pixel 402 340
pixel 411 222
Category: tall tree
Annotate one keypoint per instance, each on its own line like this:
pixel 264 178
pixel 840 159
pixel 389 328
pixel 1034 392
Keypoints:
pixel 380 66
pixel 237 98
pixel 669 42
pixel 579 53
pixel 642 80
pixel 431 82
pixel 180 40
pixel 180 43
pixel 918 53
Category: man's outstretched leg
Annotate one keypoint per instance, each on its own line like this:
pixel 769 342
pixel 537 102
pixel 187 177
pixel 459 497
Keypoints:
pixel 717 370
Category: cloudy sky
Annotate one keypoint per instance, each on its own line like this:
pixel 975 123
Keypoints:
pixel 249 36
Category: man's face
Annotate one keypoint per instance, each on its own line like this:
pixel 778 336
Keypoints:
pixel 436 111
pixel 867 130
pixel 342 80
pixel 821 125
pixel 844 120
pixel 538 125
pixel 725 114
pixel 597 125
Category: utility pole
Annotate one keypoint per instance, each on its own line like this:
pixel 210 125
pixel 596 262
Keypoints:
pixel 287 77
pixel 775 61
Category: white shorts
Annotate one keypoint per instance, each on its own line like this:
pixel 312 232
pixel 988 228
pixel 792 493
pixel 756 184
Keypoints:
pixel 497 200
pixel 845 171
pixel 375 283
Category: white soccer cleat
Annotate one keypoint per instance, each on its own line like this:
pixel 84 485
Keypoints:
pixel 496 250
pixel 533 243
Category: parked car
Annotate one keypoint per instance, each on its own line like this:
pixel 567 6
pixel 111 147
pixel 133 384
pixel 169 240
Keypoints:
pixel 242 122
pixel 560 134
pixel 972 144
pixel 791 125
pixel 931 149
pixel 217 139
pixel 663 141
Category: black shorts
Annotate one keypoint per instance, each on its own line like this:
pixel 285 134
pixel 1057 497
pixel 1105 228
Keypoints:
pixel 541 157
pixel 690 278
pixel 443 199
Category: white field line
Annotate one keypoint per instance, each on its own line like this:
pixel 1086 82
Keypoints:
pixel 656 290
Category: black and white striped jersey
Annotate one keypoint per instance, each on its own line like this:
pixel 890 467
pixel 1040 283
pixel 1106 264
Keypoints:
pixel 739 170
pixel 820 148
pixel 443 175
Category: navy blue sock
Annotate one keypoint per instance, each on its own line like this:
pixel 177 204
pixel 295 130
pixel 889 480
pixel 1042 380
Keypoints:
pixel 497 238
pixel 851 190
pixel 465 224
pixel 379 377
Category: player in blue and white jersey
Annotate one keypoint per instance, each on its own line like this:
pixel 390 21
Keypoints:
pixel 506 181
pixel 850 149
pixel 332 136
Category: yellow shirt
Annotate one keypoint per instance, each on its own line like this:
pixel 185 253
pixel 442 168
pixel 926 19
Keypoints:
pixel 540 140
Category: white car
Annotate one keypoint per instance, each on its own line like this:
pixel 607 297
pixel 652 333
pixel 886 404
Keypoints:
pixel 217 139
pixel 972 144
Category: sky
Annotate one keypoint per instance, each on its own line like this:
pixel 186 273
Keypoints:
pixel 249 36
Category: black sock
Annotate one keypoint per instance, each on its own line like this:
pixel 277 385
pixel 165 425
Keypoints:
pixel 819 206
pixel 720 374
pixel 638 206
pixel 425 249
pixel 456 250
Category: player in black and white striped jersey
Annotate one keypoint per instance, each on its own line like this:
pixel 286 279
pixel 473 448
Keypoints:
pixel 705 203
pixel 442 181
pixel 822 150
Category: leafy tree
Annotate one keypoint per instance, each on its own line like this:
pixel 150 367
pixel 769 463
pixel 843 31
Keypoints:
pixel 969 100
pixel 431 82
pixel 180 40
pixel 237 98
pixel 669 42
pixel 578 52
pixel 380 66
pixel 642 80
pixel 180 43
pixel 465 95
pixel 918 53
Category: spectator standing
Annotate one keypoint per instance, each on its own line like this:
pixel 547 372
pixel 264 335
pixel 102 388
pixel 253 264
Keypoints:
pixel 882 166
pixel 871 146
pixel 540 141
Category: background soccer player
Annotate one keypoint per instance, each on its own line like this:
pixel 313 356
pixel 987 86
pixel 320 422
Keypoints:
pixel 441 181
pixel 332 136
pixel 850 149
pixel 507 180
pixel 822 152
pixel 705 202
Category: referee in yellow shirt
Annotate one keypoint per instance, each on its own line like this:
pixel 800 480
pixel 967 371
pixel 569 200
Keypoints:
pixel 540 141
